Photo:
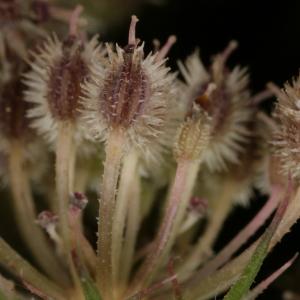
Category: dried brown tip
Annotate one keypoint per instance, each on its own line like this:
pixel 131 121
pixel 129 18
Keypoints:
pixel 166 48
pixel 132 30
pixel 204 99
pixel 74 20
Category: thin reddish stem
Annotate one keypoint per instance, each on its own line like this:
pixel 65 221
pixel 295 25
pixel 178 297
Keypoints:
pixel 175 283
pixel 132 30
pixel 242 237
pixel 178 201
pixel 228 50
pixel 265 283
pixel 162 53
pixel 74 20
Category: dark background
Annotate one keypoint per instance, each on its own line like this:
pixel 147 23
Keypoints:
pixel 268 33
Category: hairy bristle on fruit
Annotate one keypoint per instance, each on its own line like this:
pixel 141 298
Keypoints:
pixel 286 139
pixel 224 96
pixel 132 92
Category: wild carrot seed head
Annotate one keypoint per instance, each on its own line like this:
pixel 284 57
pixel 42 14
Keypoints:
pixel 224 96
pixel 58 70
pixel 286 139
pixel 132 93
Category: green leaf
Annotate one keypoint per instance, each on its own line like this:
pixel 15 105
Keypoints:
pixel 242 286
pixel 90 291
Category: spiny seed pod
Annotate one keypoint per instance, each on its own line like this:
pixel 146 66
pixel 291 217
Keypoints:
pixel 133 93
pixel 286 139
pixel 224 96
pixel 54 83
pixel 193 137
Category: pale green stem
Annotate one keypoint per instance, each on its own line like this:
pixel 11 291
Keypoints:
pixel 132 227
pixel 80 243
pixel 23 270
pixel 114 152
pixel 24 206
pixel 126 193
pixel 180 195
pixel 64 145
pixel 64 166
pixel 203 248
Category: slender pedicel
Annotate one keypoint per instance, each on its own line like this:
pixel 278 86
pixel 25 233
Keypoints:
pixel 192 140
pixel 128 104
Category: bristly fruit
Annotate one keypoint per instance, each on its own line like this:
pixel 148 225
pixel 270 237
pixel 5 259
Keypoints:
pixel 224 96
pixel 286 138
pixel 132 93
pixel 54 84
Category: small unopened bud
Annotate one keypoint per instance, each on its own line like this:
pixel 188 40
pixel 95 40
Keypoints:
pixel 78 201
pixel 193 137
pixel 47 219
pixel 198 205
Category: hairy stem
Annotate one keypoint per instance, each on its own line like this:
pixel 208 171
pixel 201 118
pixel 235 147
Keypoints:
pixel 64 166
pixel 180 195
pixel 64 151
pixel 23 270
pixel 126 193
pixel 133 222
pixel 26 215
pixel 114 151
